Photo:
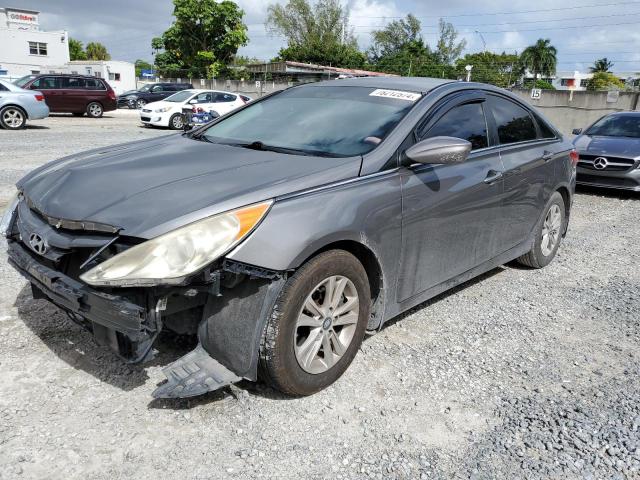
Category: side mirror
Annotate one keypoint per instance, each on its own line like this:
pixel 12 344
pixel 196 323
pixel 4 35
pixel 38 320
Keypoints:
pixel 577 131
pixel 447 150
pixel 193 101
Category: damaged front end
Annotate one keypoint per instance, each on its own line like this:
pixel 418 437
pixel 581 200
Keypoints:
pixel 225 303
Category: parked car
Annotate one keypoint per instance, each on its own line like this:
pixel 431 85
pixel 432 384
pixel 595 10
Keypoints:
pixel 610 152
pixel 283 231
pixel 75 94
pixel 17 105
pixel 152 92
pixel 168 112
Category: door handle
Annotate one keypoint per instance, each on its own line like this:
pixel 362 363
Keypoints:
pixel 493 176
pixel 546 156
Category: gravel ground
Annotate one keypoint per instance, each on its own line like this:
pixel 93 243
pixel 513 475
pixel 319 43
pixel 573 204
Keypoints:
pixel 517 374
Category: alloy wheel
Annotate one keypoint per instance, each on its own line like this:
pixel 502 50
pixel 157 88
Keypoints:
pixel 551 230
pixel 177 122
pixel 13 118
pixel 95 110
pixel 326 324
pixel 140 103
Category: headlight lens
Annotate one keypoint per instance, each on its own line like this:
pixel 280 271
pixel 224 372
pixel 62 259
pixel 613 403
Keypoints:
pixel 163 109
pixel 169 258
pixel 7 216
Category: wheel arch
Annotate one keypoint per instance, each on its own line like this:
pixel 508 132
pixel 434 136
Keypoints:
pixel 19 107
pixel 564 191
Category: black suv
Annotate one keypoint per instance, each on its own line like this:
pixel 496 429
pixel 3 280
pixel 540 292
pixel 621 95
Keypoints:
pixel 152 92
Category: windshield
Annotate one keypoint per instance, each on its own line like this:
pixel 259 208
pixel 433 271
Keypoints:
pixel 617 126
pixel 336 121
pixel 21 82
pixel 182 96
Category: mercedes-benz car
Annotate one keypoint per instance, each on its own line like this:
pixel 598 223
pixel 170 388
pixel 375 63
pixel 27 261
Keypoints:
pixel 283 231
pixel 610 152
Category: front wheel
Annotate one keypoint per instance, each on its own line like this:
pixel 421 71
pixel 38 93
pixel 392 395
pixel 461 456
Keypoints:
pixel 548 234
pixel 176 122
pixel 95 110
pixel 317 324
pixel 12 118
pixel 140 103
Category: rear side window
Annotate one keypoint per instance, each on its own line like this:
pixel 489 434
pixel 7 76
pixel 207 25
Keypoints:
pixel 94 84
pixel 464 121
pixel 514 123
pixel 45 83
pixel 545 130
pixel 225 97
pixel 74 83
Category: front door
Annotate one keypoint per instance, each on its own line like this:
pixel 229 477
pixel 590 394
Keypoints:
pixel 452 215
pixel 50 88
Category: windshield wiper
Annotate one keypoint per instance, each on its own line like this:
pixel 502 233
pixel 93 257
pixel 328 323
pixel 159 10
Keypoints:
pixel 258 145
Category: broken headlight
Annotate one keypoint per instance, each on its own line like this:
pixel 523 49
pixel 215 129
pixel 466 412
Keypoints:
pixel 7 217
pixel 169 258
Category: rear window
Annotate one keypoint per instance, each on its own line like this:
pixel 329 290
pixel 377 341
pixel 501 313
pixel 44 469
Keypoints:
pixel 331 121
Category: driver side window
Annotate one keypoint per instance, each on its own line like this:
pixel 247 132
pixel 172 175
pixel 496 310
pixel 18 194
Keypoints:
pixel 464 121
pixel 156 89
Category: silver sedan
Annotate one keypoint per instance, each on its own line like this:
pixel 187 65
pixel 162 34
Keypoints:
pixel 17 105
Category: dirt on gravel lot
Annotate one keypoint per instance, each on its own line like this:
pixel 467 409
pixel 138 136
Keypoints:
pixel 518 374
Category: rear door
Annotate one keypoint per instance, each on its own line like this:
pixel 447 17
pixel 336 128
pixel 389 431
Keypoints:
pixel 74 94
pixel 451 214
pixel 50 88
pixel 528 160
pixel 225 102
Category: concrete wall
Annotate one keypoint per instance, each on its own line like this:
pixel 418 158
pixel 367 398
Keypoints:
pixel 568 110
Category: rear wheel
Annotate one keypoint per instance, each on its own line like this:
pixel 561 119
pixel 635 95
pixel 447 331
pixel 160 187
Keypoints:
pixel 317 324
pixel 548 234
pixel 95 110
pixel 12 118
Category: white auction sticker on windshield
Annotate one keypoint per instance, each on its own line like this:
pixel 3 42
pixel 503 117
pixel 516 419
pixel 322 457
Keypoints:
pixel 397 94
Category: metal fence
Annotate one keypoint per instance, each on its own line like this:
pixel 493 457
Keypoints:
pixel 253 88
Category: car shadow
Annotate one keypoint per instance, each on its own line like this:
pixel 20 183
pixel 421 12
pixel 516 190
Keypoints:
pixel 607 192
pixel 30 126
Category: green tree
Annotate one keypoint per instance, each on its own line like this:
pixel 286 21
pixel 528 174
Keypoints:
pixel 605 81
pixel 540 58
pixel 602 65
pixel 502 70
pixel 315 34
pixel 76 50
pixel 395 37
pixel 142 65
pixel 97 51
pixel 448 48
pixel 202 40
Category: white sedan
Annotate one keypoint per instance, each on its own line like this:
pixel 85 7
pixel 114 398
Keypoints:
pixel 168 112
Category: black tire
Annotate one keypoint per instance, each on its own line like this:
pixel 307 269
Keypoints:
pixel 78 114
pixel 176 122
pixel 278 364
pixel 95 110
pixel 12 117
pixel 536 258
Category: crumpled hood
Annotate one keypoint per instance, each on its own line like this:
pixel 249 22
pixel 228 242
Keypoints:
pixel 149 187
pixel 614 146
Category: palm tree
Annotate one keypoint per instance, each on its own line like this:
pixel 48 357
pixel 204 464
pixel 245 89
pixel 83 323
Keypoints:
pixel 540 58
pixel 601 65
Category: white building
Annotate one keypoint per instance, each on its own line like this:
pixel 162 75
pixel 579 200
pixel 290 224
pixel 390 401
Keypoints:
pixel 120 75
pixel 24 48
pixel 577 81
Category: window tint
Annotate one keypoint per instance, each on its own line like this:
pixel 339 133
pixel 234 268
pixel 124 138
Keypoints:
pixel 464 121
pixel 545 130
pixel 204 98
pixel 94 84
pixel 45 83
pixel 156 89
pixel 514 122
pixel 73 83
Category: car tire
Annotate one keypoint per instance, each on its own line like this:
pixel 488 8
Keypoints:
pixel 548 234
pixel 95 110
pixel 140 103
pixel 292 350
pixel 12 118
pixel 176 122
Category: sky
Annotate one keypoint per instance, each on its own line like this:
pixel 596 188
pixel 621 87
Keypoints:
pixel 582 31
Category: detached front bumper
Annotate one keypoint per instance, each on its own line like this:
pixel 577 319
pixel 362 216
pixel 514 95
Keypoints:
pixel 127 328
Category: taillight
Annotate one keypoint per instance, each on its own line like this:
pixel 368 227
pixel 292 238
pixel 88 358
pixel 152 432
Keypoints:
pixel 575 157
pixel 40 98
pixel 112 94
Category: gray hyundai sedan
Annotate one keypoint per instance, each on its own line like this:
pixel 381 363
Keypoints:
pixel 281 232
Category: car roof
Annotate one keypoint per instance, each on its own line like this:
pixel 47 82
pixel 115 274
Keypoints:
pixel 413 84
pixel 75 75
pixel 624 114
